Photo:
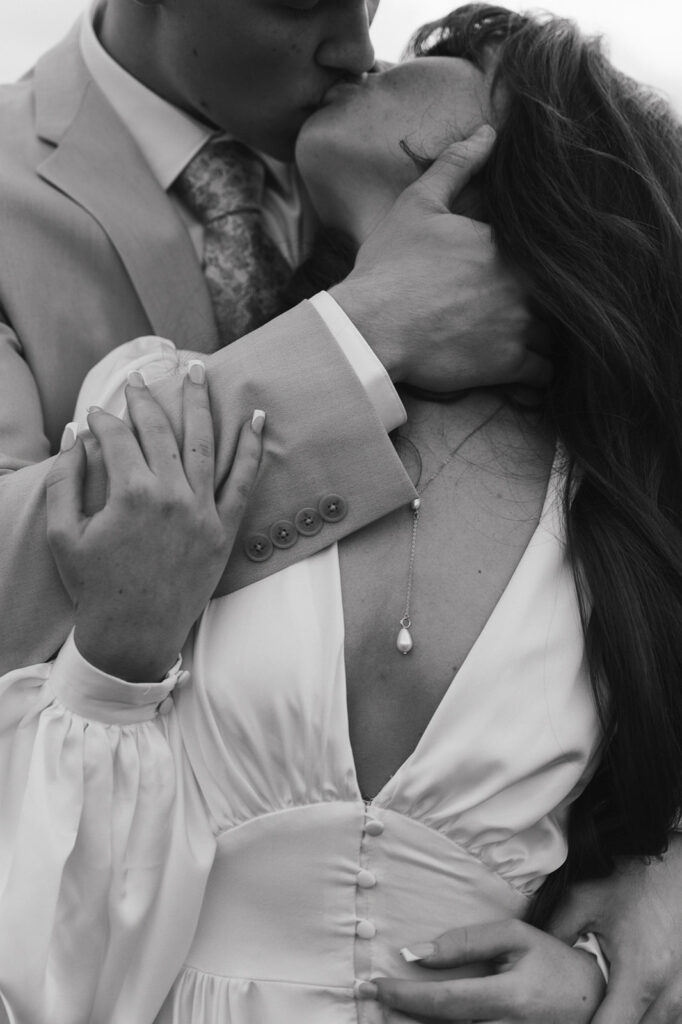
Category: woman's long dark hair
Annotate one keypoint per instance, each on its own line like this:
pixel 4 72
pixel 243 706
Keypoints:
pixel 584 196
pixel 583 192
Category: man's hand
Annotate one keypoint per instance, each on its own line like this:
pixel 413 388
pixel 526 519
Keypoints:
pixel 637 917
pixel 431 296
pixel 533 979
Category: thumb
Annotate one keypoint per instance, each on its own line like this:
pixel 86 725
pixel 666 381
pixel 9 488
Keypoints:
pixel 64 491
pixel 454 168
pixel 468 945
pixel 626 1000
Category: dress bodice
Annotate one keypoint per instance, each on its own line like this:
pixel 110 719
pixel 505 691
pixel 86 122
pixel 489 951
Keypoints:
pixel 313 889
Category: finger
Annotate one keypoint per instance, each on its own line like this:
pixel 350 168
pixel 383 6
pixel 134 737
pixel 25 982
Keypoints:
pixel 625 1002
pixel 481 998
pixel 469 945
pixel 235 493
pixel 533 369
pixel 539 337
pixel 64 490
pixel 454 168
pixel 198 448
pixel 121 453
pixel 153 430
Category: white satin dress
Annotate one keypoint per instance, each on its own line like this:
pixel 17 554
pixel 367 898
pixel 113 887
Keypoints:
pixel 197 851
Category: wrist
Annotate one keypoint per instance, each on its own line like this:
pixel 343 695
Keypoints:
pixel 363 307
pixel 132 659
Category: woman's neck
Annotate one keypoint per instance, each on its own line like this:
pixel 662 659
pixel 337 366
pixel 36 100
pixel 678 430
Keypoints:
pixel 435 430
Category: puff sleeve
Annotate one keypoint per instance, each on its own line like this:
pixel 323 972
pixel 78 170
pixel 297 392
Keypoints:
pixel 105 845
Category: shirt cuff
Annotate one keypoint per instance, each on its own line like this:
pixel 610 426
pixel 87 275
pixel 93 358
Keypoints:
pixel 97 696
pixel 370 371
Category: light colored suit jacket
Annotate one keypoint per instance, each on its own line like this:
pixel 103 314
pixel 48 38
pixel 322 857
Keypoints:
pixel 92 254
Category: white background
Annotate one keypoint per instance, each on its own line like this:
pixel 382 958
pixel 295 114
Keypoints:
pixel 644 36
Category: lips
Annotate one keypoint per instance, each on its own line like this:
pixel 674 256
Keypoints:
pixel 338 89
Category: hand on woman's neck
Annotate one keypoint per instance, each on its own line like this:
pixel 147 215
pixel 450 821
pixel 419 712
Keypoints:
pixel 365 211
pixel 367 205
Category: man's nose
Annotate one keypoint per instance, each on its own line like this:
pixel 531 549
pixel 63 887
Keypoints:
pixel 347 46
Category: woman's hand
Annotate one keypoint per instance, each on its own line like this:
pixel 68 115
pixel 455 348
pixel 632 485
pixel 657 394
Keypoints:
pixel 141 570
pixel 534 979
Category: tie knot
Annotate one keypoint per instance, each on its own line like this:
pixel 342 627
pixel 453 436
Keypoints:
pixel 224 177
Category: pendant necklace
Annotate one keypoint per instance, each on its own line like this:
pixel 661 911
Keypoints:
pixel 404 641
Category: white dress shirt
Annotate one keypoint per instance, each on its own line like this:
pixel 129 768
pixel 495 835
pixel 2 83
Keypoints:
pixel 168 138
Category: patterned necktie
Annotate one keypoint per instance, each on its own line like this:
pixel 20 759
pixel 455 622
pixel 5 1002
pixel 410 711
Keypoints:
pixel 245 271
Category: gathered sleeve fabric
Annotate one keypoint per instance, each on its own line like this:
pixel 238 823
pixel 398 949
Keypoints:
pixel 105 845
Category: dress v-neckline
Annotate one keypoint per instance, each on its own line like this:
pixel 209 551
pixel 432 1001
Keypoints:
pixel 549 517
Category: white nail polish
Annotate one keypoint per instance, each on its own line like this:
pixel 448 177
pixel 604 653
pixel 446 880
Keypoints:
pixel 419 952
pixel 69 437
pixel 196 371
pixel 258 421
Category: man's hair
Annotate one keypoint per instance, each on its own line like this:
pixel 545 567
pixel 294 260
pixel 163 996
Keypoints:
pixel 583 192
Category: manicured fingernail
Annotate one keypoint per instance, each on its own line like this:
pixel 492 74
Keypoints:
pixel 93 408
pixel 419 951
pixel 258 421
pixel 136 379
pixel 68 437
pixel 366 990
pixel 196 371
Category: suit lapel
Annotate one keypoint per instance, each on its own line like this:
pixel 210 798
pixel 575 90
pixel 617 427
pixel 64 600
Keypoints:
pixel 97 163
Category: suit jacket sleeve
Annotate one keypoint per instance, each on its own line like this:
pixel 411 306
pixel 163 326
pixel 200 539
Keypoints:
pixel 323 438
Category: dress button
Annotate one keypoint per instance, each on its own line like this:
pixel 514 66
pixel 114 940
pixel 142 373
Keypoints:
pixel 308 522
pixel 374 827
pixel 366 880
pixel 283 534
pixel 166 705
pixel 365 930
pixel 258 547
pixel 332 508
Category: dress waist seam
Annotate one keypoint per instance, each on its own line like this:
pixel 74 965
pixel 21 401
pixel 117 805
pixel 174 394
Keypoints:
pixel 469 852
pixel 260 981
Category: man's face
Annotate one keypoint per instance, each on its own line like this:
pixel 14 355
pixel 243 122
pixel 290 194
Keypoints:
pixel 258 68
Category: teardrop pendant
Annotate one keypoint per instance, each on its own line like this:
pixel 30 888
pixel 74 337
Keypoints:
pixel 404 642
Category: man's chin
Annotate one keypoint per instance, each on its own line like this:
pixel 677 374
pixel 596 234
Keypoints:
pixel 280 144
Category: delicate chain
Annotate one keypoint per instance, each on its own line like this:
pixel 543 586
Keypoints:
pixel 406 621
pixel 404 642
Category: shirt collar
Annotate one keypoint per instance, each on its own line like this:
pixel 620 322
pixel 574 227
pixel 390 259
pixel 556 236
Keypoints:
pixel 167 137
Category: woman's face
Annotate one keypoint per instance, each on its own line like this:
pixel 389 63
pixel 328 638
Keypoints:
pixel 350 153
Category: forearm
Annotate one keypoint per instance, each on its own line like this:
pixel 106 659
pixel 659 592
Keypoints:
pixel 323 436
